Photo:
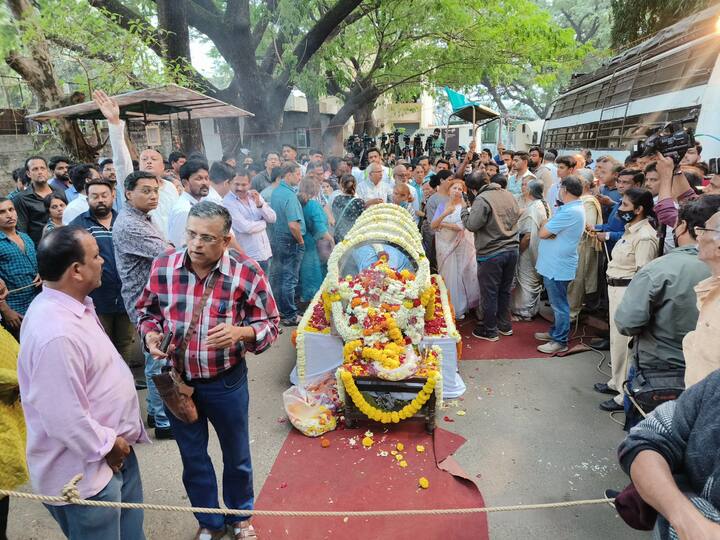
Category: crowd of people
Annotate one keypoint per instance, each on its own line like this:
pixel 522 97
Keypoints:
pixel 203 262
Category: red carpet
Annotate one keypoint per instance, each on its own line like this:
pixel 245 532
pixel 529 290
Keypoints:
pixel 521 345
pixel 306 476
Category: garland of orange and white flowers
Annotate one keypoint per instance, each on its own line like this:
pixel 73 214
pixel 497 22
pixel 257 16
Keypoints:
pixel 447 312
pixel 387 417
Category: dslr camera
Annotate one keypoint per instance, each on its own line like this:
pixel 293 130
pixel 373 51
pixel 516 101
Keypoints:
pixel 672 140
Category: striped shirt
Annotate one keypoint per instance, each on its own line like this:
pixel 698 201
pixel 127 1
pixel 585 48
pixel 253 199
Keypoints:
pixel 107 298
pixel 241 297
pixel 18 269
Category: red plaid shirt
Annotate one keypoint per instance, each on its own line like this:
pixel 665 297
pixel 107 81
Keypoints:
pixel 241 297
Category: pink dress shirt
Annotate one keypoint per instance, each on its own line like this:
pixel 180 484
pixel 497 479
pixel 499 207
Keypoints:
pixel 77 393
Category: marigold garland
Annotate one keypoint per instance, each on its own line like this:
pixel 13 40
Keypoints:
pixel 388 417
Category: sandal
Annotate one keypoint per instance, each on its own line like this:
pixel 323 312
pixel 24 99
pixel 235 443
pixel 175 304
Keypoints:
pixel 242 530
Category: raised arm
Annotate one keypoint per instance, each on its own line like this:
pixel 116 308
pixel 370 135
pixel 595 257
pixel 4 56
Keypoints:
pixel 116 130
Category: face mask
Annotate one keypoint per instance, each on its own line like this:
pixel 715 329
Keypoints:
pixel 626 215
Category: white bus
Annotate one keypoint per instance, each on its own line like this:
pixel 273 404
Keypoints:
pixel 663 78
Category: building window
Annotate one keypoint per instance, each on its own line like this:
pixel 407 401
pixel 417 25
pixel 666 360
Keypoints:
pixel 301 138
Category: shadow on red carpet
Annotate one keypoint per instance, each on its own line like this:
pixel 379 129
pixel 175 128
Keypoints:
pixel 521 345
pixel 343 477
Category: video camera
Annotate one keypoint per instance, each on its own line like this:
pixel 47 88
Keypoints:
pixel 359 146
pixel 672 140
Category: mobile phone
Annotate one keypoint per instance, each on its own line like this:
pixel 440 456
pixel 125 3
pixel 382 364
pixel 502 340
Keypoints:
pixel 166 342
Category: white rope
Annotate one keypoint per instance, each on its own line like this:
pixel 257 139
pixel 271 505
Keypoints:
pixel 70 495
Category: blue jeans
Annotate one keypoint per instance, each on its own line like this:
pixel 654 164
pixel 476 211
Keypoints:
pixel 495 275
pixel 90 522
pixel 284 274
pixel 265 265
pixel 557 294
pixel 155 406
pixel 224 402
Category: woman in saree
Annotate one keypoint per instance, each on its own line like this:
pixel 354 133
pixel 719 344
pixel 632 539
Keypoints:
pixel 525 301
pixel 455 250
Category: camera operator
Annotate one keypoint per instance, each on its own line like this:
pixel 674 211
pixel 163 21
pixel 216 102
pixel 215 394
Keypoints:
pixel 674 189
pixel 659 307
pixel 692 156
pixel 435 144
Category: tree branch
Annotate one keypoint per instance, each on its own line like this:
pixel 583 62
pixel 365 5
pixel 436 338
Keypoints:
pixel 130 20
pixel 318 34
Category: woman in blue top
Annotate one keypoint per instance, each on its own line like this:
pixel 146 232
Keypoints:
pixel 313 268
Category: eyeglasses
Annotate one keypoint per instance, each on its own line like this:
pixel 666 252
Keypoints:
pixel 202 238
pixel 699 231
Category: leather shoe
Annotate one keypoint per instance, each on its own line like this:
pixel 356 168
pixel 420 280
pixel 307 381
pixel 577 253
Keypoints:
pixel 602 344
pixel 610 405
pixel 150 421
pixel 164 433
pixel 603 388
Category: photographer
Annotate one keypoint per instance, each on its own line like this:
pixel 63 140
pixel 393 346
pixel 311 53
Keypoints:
pixel 435 144
pixel 674 189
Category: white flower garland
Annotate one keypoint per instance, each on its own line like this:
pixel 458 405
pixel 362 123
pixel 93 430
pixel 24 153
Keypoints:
pixel 447 312
pixel 300 337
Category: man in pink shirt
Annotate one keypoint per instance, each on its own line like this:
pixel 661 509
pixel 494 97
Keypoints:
pixel 78 395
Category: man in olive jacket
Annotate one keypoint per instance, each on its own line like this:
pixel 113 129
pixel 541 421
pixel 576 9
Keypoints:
pixel 493 218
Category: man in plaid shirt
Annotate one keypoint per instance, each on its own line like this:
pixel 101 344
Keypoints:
pixel 240 315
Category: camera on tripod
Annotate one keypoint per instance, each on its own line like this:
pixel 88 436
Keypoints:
pixel 672 140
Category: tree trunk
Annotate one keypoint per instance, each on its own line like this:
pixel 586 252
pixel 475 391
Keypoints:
pixel 38 72
pixel 364 121
pixel 314 122
pixel 332 136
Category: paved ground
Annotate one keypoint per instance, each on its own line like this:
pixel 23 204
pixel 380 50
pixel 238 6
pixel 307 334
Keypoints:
pixel 534 435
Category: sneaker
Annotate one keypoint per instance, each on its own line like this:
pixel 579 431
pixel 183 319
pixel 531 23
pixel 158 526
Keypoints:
pixel 506 331
pixel 543 336
pixel 480 333
pixel 164 433
pixel 552 347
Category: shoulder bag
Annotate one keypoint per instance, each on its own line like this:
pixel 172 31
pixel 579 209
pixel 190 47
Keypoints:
pixel 174 391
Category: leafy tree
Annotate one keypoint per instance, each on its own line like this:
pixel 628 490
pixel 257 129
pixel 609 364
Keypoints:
pixel 267 45
pixel 52 44
pixel 637 19
pixel 393 49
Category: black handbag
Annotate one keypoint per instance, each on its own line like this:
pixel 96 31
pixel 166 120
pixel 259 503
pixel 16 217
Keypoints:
pixel 652 387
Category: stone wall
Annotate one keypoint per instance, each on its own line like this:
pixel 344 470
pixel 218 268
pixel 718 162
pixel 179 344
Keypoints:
pixel 14 149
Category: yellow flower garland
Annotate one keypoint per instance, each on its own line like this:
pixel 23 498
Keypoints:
pixel 408 411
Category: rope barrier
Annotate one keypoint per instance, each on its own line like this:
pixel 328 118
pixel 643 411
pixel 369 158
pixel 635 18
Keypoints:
pixel 70 495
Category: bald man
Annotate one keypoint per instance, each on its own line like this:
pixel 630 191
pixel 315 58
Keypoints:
pixel 150 161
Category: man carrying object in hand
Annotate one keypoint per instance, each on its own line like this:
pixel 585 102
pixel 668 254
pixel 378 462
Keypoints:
pixel 239 315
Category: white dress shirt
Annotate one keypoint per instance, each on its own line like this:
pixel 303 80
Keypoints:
pixel 249 224
pixel 177 219
pixel 366 190
pixel 76 207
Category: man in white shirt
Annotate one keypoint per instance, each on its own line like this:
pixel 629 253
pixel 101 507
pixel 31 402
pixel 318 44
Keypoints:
pixel 196 181
pixel 150 160
pixel 79 176
pixel 251 215
pixel 373 190
pixel 374 156
pixel 221 174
